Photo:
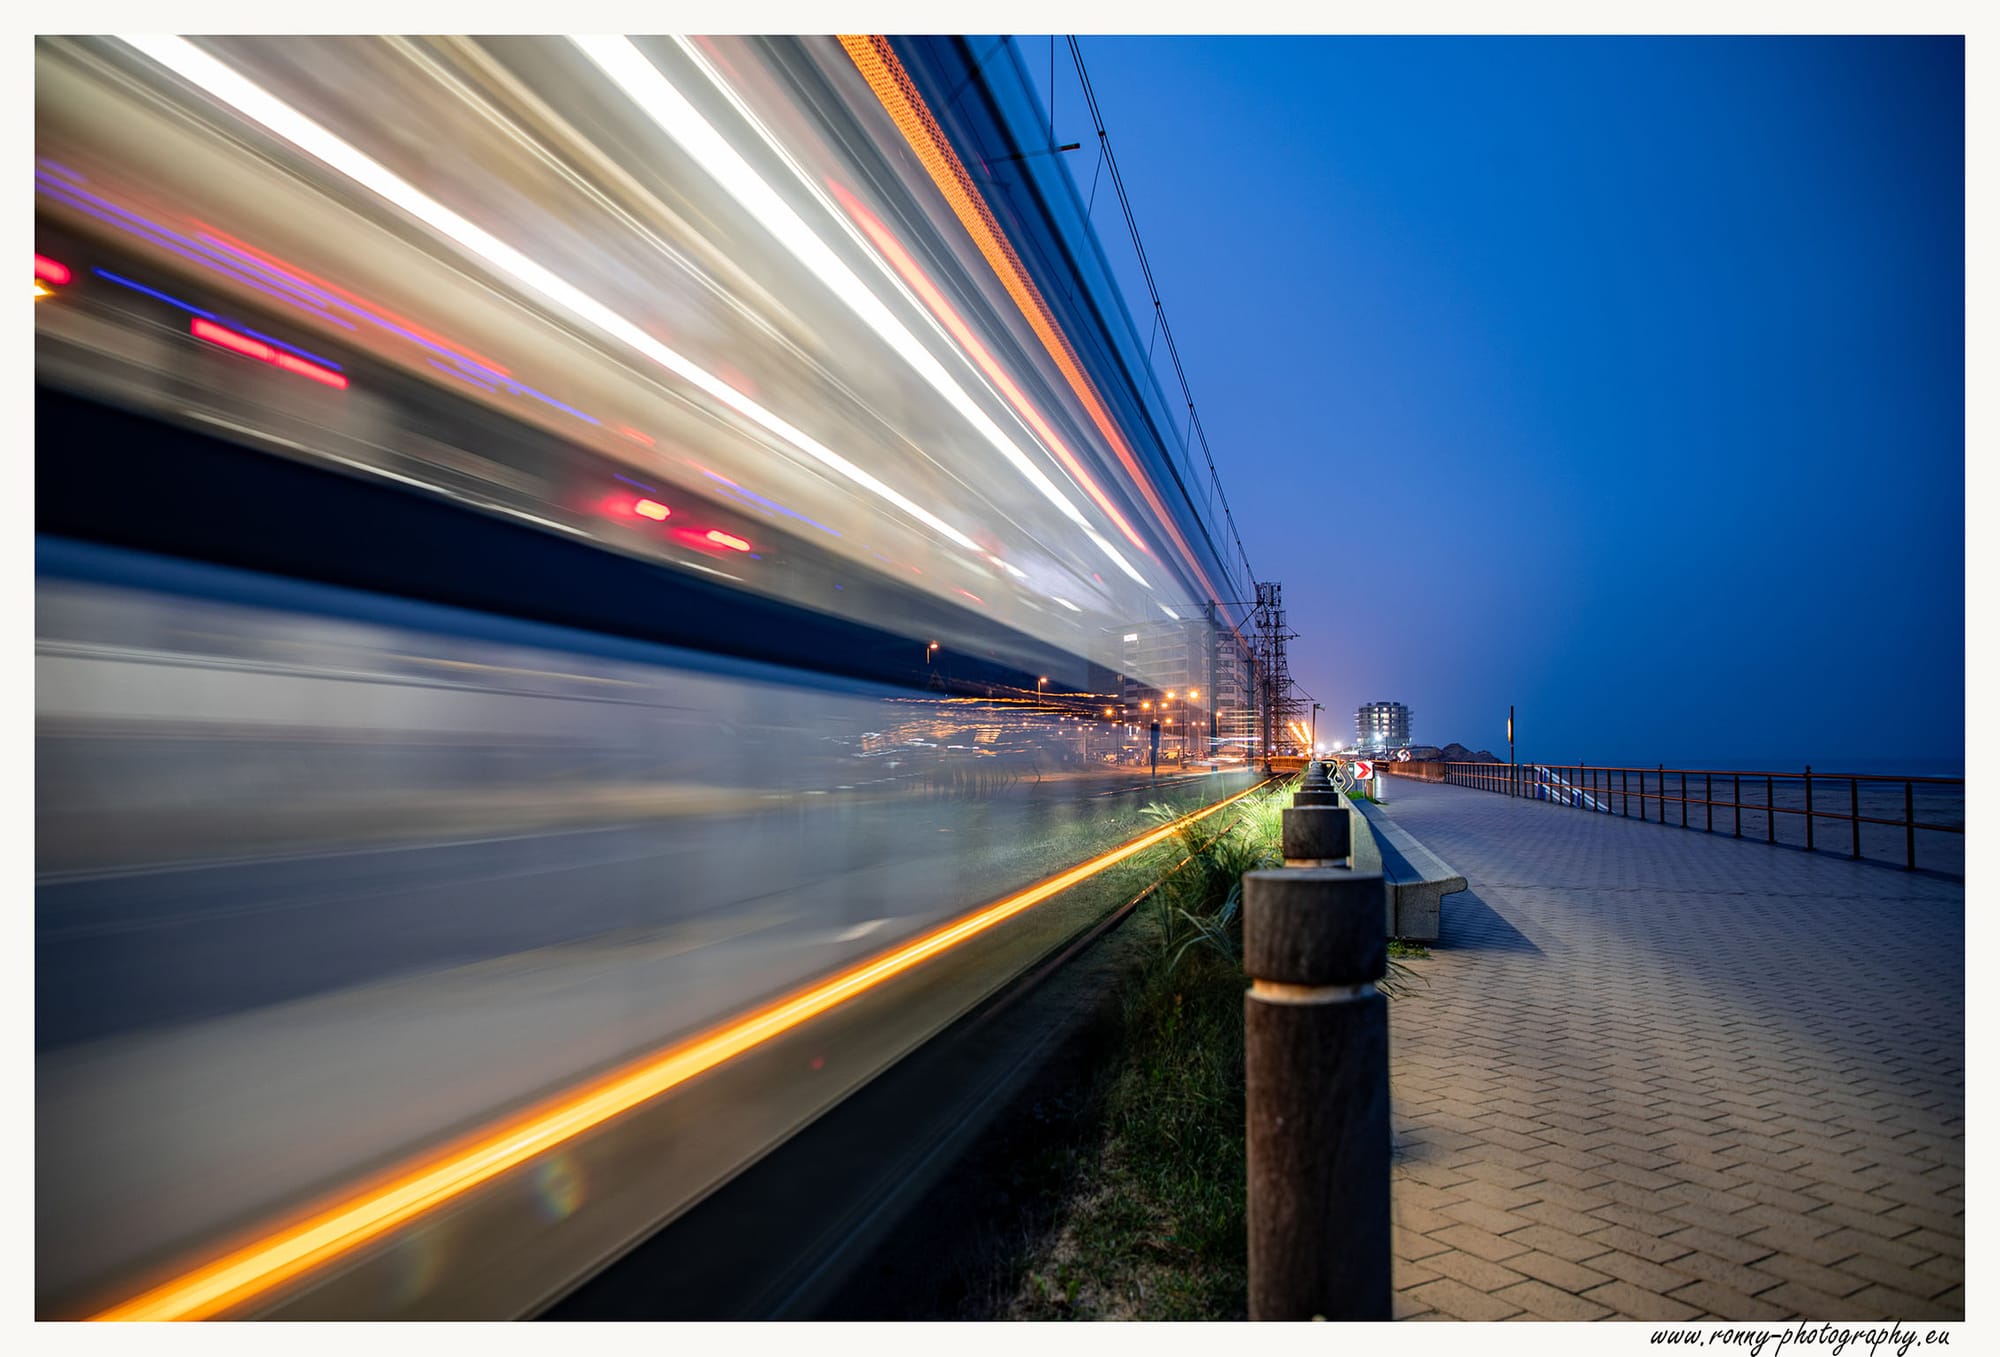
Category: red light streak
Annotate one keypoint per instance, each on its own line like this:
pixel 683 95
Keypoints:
pixel 723 539
pixel 229 339
pixel 635 435
pixel 651 508
pixel 900 259
pixel 264 353
pixel 297 274
pixel 290 363
pixel 48 271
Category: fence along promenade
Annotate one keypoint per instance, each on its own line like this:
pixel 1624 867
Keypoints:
pixel 1887 818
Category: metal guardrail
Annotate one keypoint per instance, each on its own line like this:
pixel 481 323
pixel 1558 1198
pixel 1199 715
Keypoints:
pixel 1789 799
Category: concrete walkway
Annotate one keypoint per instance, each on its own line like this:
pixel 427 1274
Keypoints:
pixel 1657 1075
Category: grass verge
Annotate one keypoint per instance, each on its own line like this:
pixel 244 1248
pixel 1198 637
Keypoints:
pixel 1153 1222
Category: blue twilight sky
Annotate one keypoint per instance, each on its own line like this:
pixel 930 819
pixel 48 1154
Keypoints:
pixel 1647 355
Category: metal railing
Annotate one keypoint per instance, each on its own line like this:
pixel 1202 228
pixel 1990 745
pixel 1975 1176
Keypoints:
pixel 1789 811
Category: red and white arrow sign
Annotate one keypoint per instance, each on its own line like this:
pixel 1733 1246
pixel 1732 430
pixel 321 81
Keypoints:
pixel 1364 770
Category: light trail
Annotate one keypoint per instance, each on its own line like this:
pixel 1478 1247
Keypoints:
pixel 380 314
pixel 700 59
pixel 898 96
pixel 292 1250
pixel 892 250
pixel 264 353
pixel 675 114
pixel 254 102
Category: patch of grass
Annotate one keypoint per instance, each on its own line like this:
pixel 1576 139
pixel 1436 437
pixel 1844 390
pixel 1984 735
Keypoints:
pixel 1415 951
pixel 1155 1226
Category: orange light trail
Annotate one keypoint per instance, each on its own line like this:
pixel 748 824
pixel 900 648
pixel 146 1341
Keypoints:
pixel 289 1252
pixel 899 98
pixel 899 258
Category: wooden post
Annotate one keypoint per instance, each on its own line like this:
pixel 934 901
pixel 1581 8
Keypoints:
pixel 1316 1072
pixel 1316 836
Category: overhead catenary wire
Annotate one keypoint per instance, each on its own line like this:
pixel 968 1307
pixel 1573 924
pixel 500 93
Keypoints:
pixel 1108 159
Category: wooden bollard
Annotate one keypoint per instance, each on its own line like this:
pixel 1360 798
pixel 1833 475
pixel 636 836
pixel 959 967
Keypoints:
pixel 1316 1091
pixel 1316 836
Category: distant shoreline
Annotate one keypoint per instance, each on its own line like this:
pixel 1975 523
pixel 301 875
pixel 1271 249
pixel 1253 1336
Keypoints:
pixel 1877 766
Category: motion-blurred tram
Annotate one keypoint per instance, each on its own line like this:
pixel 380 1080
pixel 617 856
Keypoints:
pixel 551 554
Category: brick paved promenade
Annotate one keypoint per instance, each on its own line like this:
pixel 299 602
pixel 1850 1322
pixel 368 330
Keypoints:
pixel 1657 1075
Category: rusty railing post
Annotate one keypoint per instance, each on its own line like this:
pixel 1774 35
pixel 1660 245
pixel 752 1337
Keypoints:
pixel 1316 1094
pixel 1909 829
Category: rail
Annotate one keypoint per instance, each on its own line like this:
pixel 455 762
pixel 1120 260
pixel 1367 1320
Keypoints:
pixel 1791 809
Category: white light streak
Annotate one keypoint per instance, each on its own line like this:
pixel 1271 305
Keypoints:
pixel 212 76
pixel 648 87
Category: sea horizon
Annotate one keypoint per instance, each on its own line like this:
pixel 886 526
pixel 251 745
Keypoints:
pixel 1877 765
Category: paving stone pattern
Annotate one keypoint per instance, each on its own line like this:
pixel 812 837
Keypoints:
pixel 1657 1075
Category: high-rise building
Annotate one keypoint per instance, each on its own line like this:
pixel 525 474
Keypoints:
pixel 1378 725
